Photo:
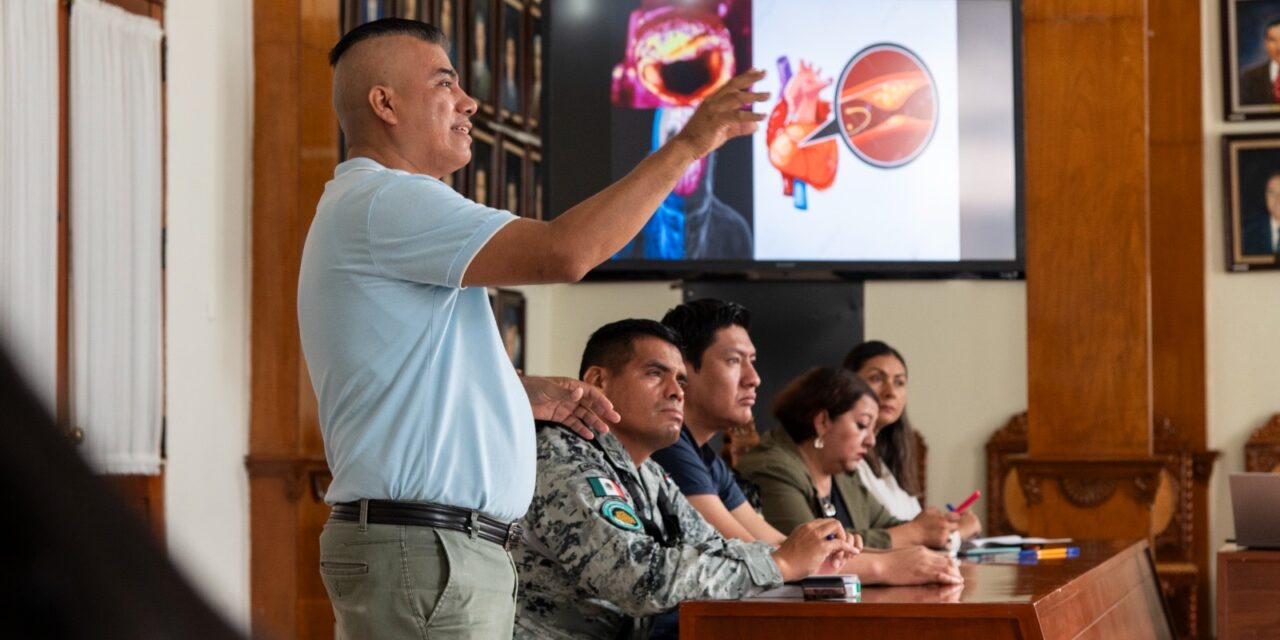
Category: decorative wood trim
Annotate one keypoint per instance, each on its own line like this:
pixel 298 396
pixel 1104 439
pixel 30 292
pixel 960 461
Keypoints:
pixel 1087 483
pixel 298 473
pixel 1087 491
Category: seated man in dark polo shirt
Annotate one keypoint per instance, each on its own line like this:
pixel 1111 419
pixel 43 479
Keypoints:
pixel 720 359
pixel 700 471
pixel 721 392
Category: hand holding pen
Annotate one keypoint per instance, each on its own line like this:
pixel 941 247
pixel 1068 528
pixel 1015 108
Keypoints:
pixel 969 525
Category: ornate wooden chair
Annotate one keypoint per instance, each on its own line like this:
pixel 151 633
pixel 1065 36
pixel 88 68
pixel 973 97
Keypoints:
pixel 1262 451
pixel 1172 519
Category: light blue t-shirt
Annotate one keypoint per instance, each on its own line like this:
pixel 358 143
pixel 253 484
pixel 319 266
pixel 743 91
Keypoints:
pixel 418 399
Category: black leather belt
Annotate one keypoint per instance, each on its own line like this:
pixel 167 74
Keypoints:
pixel 425 514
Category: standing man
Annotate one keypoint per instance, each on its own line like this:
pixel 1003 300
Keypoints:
pixel 611 542
pixel 427 427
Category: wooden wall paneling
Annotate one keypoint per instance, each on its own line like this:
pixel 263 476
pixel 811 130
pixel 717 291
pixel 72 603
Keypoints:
pixel 1178 323
pixel 276 245
pixel 275 352
pixel 317 158
pixel 1089 383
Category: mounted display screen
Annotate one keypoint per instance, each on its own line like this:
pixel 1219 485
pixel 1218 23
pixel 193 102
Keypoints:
pixel 891 144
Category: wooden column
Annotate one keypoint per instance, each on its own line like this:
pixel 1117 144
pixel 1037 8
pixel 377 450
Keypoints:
pixel 1115 261
pixel 1178 339
pixel 1088 264
pixel 295 148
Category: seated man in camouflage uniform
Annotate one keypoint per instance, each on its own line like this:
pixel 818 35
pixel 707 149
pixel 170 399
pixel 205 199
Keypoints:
pixel 609 539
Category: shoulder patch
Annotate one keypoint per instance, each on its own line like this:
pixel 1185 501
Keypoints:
pixel 621 515
pixel 605 488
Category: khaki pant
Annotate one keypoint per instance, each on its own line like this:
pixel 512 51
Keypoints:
pixel 393 581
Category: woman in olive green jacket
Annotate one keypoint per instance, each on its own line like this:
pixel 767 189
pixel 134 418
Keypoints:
pixel 804 469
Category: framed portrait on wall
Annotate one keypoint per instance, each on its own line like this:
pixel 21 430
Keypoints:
pixel 1251 58
pixel 482 178
pixel 536 190
pixel 511 88
pixel 357 12
pixel 445 15
pixel 513 178
pixel 534 62
pixel 509 311
pixel 411 9
pixel 1252 180
pixel 480 65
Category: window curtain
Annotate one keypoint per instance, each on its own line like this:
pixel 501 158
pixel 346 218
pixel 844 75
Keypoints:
pixel 29 190
pixel 115 187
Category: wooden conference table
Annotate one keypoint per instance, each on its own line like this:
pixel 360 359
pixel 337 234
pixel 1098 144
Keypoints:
pixel 1110 591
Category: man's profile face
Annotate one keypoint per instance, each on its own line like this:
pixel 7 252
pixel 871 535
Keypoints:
pixel 1272 42
pixel 648 393
pixel 435 114
pixel 1273 197
pixel 724 388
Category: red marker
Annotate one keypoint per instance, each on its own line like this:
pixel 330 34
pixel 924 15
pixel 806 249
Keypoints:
pixel 968 501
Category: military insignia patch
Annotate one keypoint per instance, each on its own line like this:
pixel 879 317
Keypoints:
pixel 605 488
pixel 621 515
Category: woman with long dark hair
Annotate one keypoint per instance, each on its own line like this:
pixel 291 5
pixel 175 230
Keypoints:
pixel 889 471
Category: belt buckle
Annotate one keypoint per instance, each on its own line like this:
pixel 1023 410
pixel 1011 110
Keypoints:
pixel 513 535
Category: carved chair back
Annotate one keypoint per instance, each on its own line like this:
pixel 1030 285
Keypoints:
pixel 1262 451
pixel 1172 521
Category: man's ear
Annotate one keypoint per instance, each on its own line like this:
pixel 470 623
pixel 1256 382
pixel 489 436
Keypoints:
pixel 381 100
pixel 596 376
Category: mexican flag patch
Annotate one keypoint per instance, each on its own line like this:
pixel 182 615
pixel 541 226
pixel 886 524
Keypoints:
pixel 604 487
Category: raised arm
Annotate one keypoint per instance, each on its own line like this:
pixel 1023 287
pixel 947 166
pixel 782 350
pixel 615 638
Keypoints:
pixel 567 247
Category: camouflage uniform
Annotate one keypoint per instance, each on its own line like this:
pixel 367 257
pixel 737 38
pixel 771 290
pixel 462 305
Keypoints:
pixel 588 569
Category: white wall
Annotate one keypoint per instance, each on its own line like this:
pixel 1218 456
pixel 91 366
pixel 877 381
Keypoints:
pixel 561 318
pixel 1243 308
pixel 966 348
pixel 210 84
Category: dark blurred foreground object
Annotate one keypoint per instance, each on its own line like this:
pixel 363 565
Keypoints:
pixel 75 563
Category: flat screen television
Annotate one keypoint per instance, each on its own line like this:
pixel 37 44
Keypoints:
pixel 891 148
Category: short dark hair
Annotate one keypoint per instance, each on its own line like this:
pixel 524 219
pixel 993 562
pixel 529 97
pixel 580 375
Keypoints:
pixel 697 323
pixel 612 345
pixel 828 389
pixel 387 27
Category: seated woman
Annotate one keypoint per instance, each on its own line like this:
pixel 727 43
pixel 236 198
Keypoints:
pixel 889 469
pixel 828 419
